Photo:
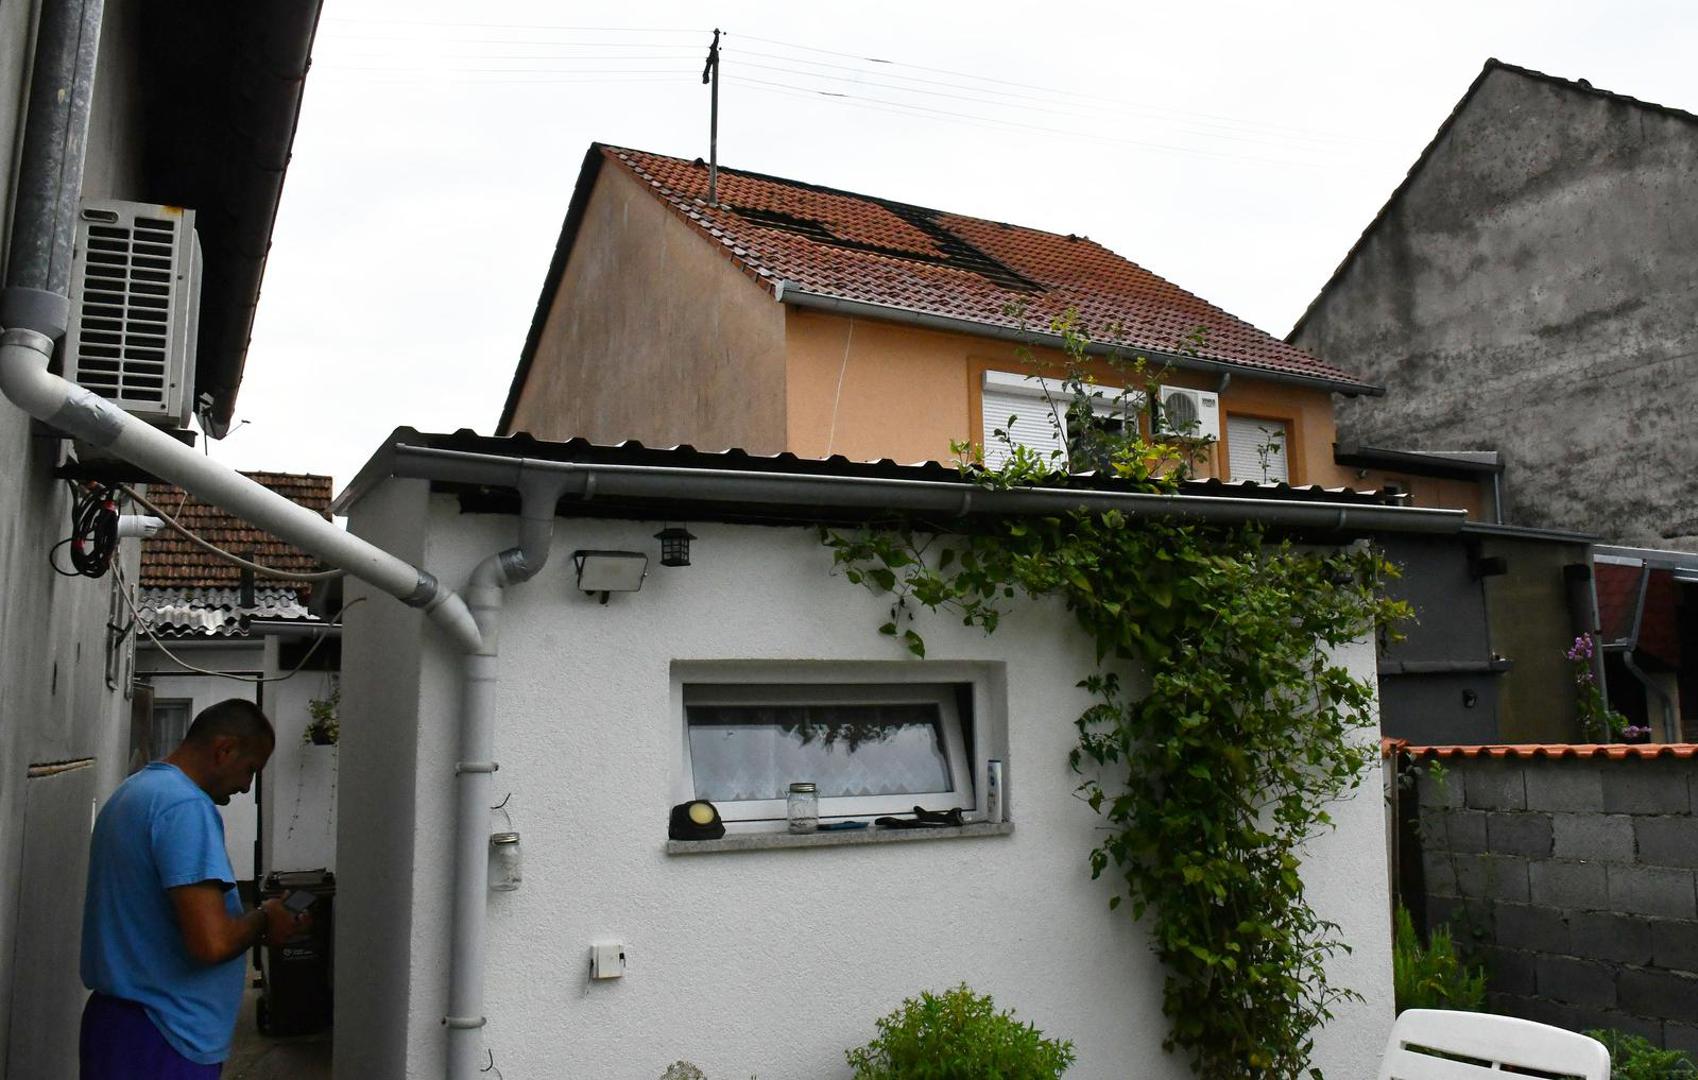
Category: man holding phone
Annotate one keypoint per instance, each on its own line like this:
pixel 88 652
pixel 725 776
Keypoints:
pixel 164 932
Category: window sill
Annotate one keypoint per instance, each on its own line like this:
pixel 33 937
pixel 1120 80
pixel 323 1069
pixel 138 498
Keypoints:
pixel 773 841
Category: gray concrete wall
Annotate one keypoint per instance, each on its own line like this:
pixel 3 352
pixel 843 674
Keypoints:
pixel 1532 291
pixel 1573 879
pixel 56 704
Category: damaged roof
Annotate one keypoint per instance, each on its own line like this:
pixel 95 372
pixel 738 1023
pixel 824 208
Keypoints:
pixel 793 237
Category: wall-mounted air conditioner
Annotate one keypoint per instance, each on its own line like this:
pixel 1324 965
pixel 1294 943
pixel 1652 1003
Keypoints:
pixel 135 308
pixel 1189 414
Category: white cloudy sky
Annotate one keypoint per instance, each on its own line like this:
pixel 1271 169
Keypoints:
pixel 1236 148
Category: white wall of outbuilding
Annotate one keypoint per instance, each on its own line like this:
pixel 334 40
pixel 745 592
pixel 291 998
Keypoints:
pixel 773 962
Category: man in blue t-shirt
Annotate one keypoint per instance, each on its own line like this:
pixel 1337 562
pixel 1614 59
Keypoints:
pixel 164 932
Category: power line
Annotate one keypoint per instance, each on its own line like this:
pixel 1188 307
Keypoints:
pixel 1267 139
pixel 927 112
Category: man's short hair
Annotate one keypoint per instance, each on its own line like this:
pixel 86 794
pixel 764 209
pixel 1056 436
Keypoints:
pixel 235 716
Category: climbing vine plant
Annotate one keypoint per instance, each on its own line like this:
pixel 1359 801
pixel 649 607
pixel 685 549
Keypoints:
pixel 1222 725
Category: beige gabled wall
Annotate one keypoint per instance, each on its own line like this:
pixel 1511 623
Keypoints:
pixel 654 335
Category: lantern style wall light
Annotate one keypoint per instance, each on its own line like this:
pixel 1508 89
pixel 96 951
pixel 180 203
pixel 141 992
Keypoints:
pixel 604 572
pixel 674 545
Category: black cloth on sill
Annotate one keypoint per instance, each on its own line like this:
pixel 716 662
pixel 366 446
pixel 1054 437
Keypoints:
pixel 924 819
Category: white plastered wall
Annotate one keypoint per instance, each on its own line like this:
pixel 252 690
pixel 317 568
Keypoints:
pixel 774 962
pixel 299 812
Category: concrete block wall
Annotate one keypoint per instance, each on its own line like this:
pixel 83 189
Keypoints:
pixel 1575 880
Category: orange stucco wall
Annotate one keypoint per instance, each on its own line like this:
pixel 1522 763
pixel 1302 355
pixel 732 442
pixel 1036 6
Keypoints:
pixel 870 389
pixel 654 335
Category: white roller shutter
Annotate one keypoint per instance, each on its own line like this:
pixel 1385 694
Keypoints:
pixel 1245 436
pixel 1033 424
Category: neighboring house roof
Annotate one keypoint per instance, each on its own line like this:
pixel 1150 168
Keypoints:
pixel 404 440
pixel 1529 751
pixel 1578 86
pixel 901 260
pixel 1619 608
pixel 185 588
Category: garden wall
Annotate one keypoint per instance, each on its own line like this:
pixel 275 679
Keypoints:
pixel 1571 873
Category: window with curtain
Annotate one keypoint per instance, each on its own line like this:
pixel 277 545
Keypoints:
pixel 870 748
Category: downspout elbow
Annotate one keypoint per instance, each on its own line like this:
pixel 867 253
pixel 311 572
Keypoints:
pixel 28 384
pixel 539 493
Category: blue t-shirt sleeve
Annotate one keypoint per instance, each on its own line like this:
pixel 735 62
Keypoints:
pixel 188 845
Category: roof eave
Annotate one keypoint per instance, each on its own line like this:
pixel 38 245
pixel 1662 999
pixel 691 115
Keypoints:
pixel 789 293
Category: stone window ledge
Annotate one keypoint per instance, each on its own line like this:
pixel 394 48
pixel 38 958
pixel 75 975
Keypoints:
pixel 773 841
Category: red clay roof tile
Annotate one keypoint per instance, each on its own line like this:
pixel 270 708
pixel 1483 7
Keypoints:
pixel 168 561
pixel 1615 751
pixel 876 251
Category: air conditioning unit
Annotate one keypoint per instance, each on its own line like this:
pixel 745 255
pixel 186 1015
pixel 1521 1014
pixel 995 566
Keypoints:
pixel 135 308
pixel 1189 414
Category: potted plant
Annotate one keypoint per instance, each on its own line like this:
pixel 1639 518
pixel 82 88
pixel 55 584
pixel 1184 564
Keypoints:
pixel 325 728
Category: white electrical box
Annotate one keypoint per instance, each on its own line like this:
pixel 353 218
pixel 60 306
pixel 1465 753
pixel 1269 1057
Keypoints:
pixel 607 961
pixel 135 308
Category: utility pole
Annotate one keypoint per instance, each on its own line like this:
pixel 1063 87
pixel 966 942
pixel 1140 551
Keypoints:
pixel 710 77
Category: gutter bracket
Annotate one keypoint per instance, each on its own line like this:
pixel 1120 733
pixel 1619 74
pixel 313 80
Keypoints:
pixel 476 767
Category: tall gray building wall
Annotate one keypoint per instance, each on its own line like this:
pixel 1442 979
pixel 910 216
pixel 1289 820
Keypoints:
pixel 1532 288
pixel 63 713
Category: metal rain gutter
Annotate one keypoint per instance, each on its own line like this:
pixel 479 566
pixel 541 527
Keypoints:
pixel 587 481
pixel 789 293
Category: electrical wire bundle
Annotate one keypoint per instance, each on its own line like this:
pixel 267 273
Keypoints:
pixel 94 531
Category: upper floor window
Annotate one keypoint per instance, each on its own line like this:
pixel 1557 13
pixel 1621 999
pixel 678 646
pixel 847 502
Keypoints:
pixel 1256 449
pixel 1031 411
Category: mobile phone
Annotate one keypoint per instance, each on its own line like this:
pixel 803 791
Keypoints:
pixel 299 900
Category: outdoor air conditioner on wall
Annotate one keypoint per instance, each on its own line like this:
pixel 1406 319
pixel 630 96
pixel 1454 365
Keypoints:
pixel 1190 414
pixel 135 308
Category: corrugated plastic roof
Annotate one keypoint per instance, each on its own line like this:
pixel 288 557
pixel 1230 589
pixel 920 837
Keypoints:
pixel 878 251
pixel 214 612
pixel 168 561
pixel 633 452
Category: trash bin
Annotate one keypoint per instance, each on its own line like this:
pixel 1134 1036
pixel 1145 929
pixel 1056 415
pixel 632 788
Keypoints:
pixel 296 976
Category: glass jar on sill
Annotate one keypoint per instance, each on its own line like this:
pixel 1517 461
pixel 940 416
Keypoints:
pixel 802 808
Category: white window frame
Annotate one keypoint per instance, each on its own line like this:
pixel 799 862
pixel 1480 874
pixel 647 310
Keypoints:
pixel 1053 398
pixel 871 682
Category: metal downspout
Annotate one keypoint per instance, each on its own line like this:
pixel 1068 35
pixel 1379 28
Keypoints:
pixel 50 169
pixel 485 593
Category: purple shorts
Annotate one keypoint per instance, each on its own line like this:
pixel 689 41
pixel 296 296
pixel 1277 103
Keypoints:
pixel 119 1042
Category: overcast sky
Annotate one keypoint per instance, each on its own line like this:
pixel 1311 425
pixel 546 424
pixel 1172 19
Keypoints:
pixel 1237 149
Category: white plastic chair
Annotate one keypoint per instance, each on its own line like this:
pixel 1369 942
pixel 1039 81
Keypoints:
pixel 1498 1041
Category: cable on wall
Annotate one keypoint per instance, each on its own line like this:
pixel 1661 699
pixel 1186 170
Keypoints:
pixel 290 575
